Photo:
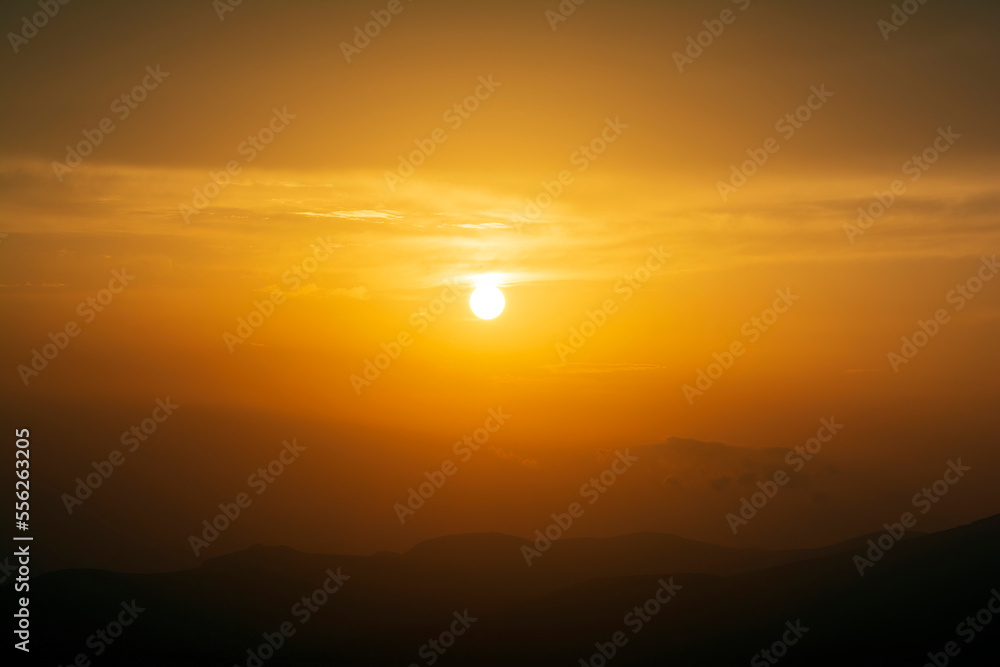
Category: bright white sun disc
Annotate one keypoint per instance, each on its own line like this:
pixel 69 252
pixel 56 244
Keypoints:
pixel 487 302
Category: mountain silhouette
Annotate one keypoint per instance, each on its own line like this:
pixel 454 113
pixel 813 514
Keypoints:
pixel 727 605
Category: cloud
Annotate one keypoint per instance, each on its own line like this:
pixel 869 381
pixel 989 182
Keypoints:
pixel 481 225
pixel 489 219
pixel 690 463
pixel 601 368
pixel 374 216
pixel 359 292
pixel 28 284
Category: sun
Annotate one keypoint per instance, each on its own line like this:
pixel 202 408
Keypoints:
pixel 487 302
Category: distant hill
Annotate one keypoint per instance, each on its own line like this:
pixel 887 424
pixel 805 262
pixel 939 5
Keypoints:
pixel 732 604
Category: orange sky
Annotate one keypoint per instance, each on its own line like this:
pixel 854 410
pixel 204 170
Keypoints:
pixel 595 111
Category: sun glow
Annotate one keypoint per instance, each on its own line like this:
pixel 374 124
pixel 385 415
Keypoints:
pixel 487 302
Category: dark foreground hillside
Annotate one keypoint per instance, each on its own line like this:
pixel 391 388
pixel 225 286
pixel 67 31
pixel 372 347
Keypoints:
pixel 476 598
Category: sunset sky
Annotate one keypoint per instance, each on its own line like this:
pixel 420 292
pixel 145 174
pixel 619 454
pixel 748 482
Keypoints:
pixel 320 218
